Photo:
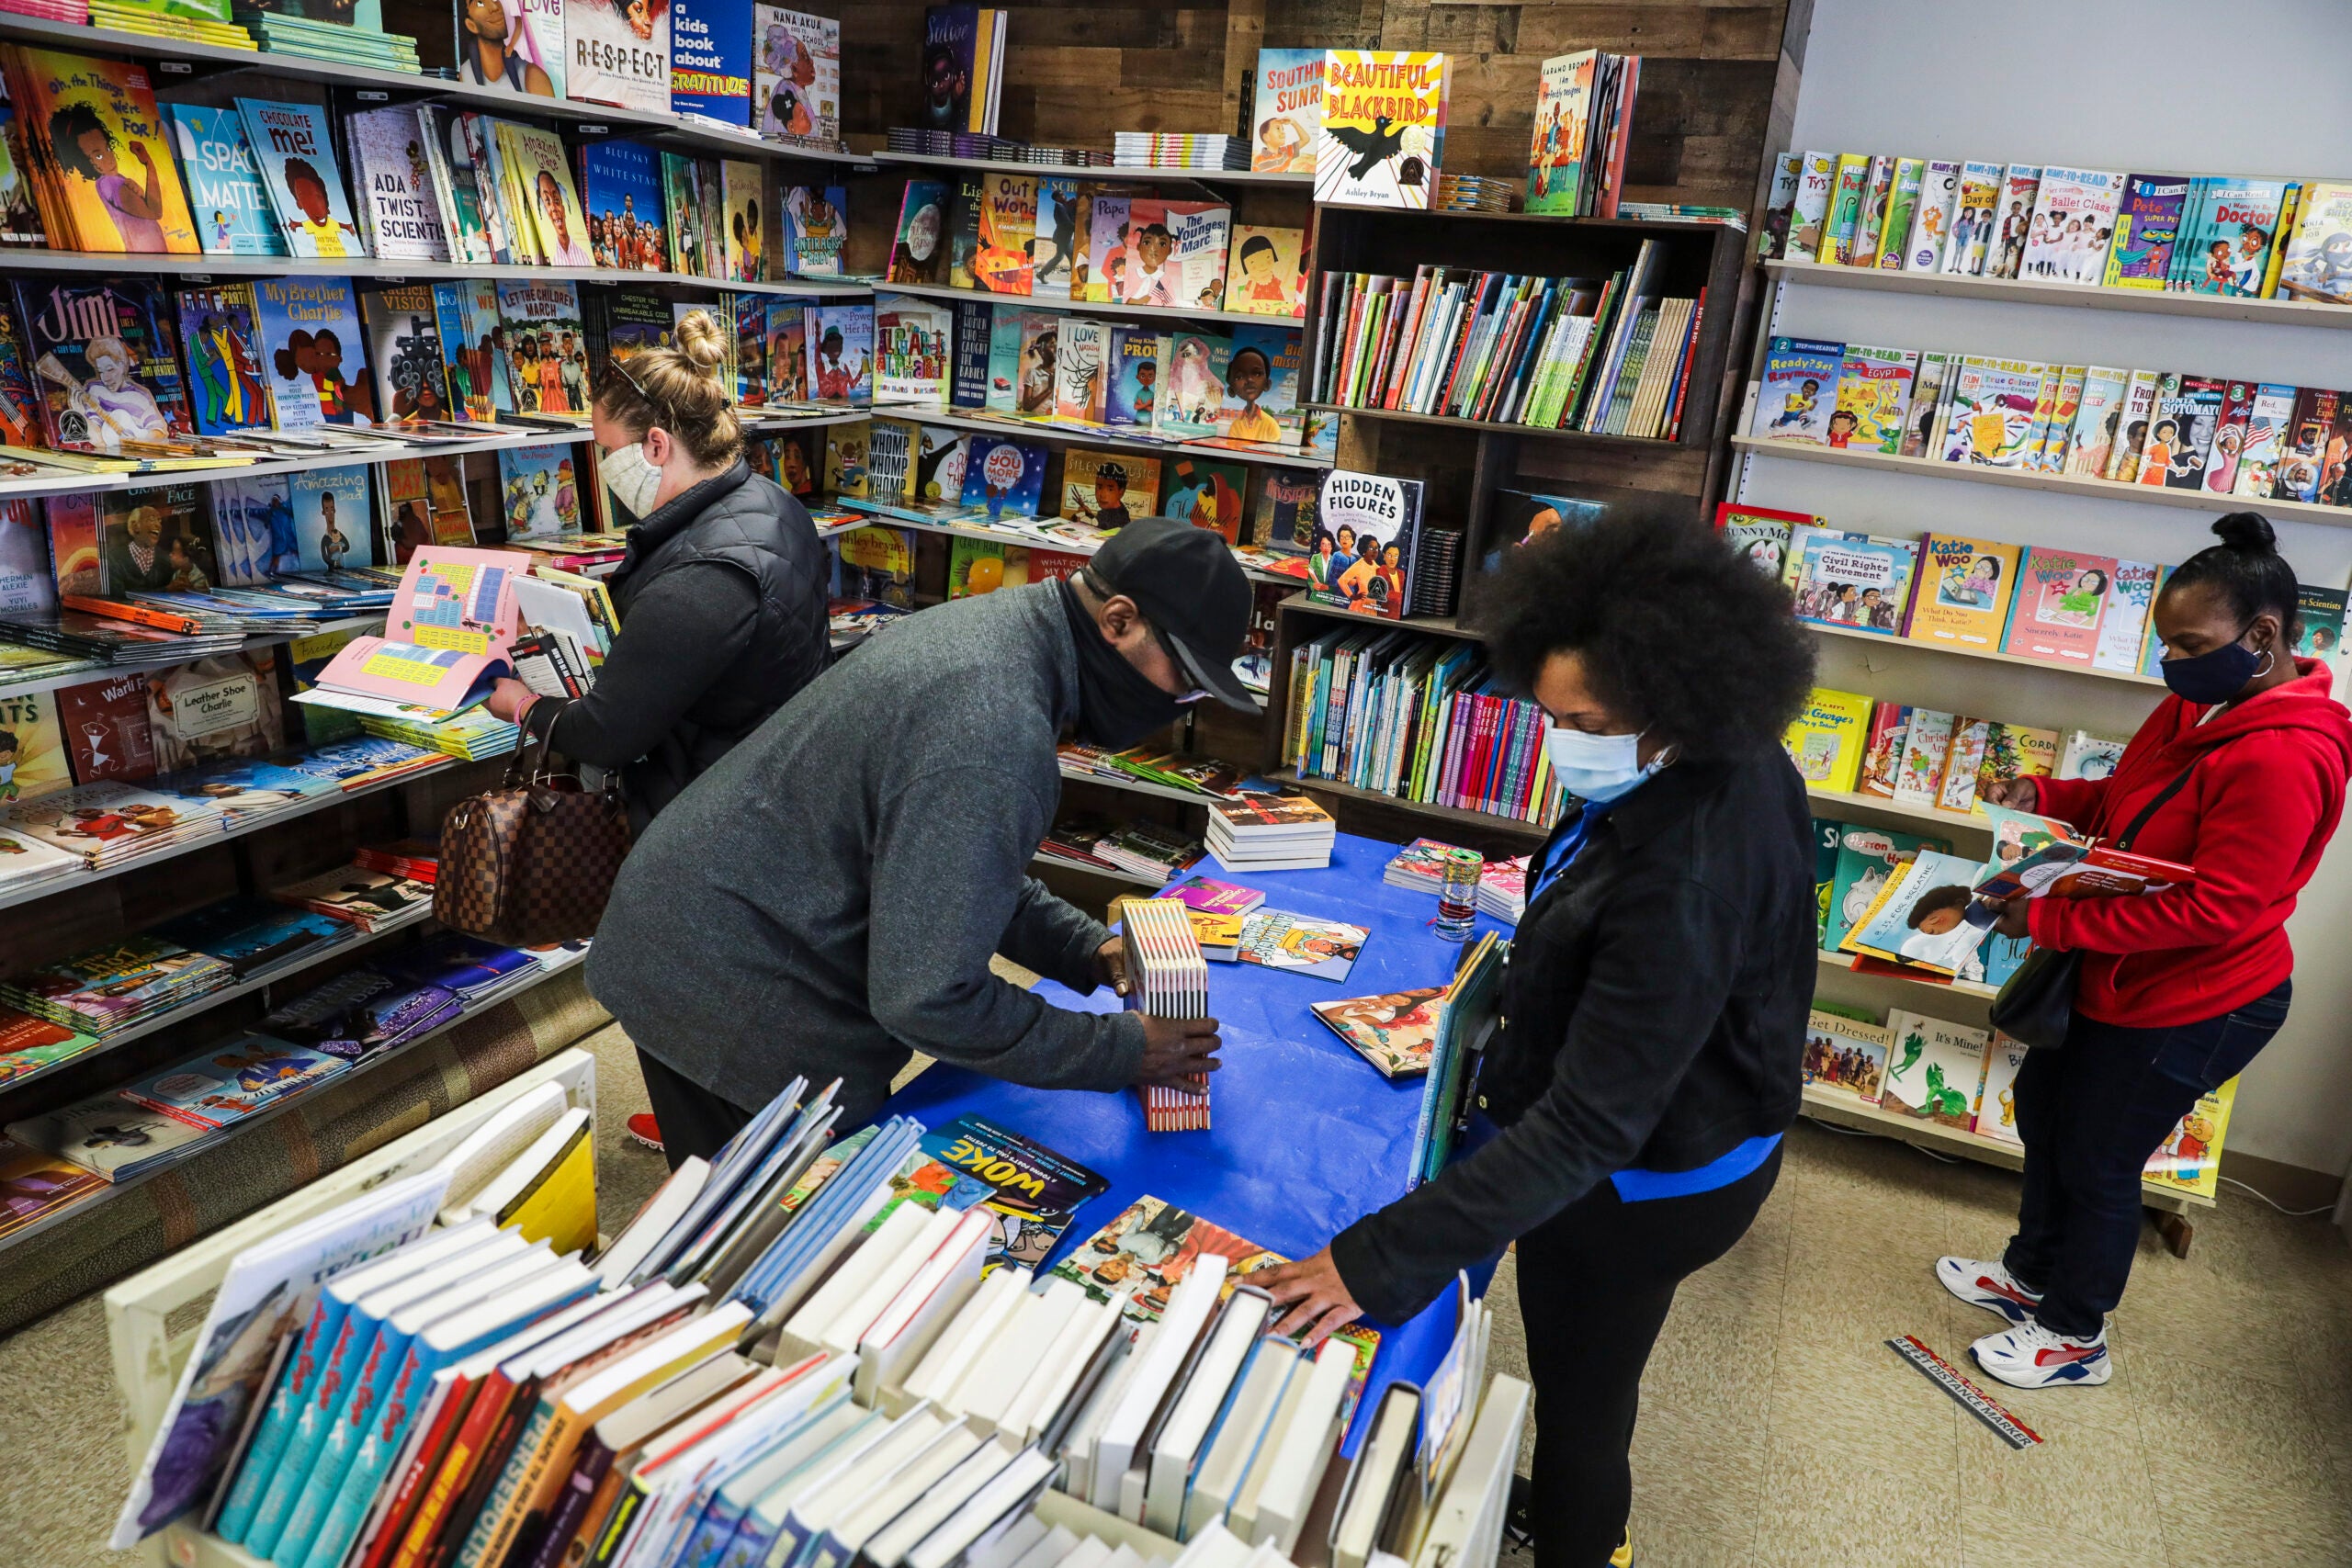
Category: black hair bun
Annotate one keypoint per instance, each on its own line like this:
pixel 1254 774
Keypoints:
pixel 2248 531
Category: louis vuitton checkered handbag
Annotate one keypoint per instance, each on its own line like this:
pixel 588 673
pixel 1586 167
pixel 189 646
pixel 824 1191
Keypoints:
pixel 532 860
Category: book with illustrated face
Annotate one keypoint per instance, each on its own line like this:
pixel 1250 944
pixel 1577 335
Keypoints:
pixel 466 317
pixel 539 492
pixel 1919 918
pixel 1277 939
pixel 334 518
pixel 1394 1033
pixel 1261 398
pixel 796 76
pixel 546 348
pixel 105 361
pixel 34 756
pixel 313 352
pixel 226 197
pixel 746 204
pixel 920 253
pixel 294 145
pixel 226 390
pixel 816 227
pixel 540 174
pixel 1289 110
pixel 93 125
pixel 1262 273
pixel 153 540
pixel 620 191
pixel 1108 490
pixel 514 44
pixel 2062 595
pixel 618 53
pixel 398 209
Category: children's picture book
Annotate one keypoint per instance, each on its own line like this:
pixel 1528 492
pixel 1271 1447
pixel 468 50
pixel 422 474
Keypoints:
pixel 1365 530
pixel 1032 1192
pixel 1964 589
pixel 796 76
pixel 1934 1070
pixel 34 755
pixel 787 355
pixel 313 352
pixel 1109 224
pixel 1001 264
pixel 215 709
pixel 1035 354
pixel 1278 939
pixel 1394 1032
pixel 710 59
pixel 1563 143
pixel 2318 264
pixel 1997 1103
pixel 294 145
pixel 400 214
pixel 981 566
pixel 1262 275
pixel 226 197
pixel 2061 597
pixel 2013 221
pixel 1873 399
pixel 2180 432
pixel 540 491
pixel 1190 400
pixel 540 175
pixel 2226 243
pixel 334 518
pixel 252 527
pixel 1758 533
pixel 1857 580
pixel 816 227
pixel 1382 138
pixel 1286 111
pixel 840 354
pixel 1993 414
pixel 936 474
pixel 1800 390
pixel 920 253
pixel 226 392
pixel 1867 860
pixel 1199 234
pixel 1109 490
pixel 745 202
pixel 2123 622
pixel 911 338
pixel 1972 215
pixel 1844 1057
pixel 154 540
pixel 1004 476
pixel 546 348
pixel 618 53
pixel 620 192
pixel 1920 916
pixel 2098 421
pixel 1931 218
pixel 467 316
pixel 1053 249
pixel 1826 738
pixel 104 725
pixel 1080 353
pixel 2147 228
pixel 104 359
pixel 1207 495
pixel 112 180
pixel 1816 177
pixel 1261 375
pixel 404 343
pixel 1137 369
pixel 2073 221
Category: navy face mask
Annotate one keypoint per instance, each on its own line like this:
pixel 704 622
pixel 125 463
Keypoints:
pixel 2214 677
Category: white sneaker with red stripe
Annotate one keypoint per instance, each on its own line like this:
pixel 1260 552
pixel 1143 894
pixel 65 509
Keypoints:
pixel 1987 1285
pixel 2030 1356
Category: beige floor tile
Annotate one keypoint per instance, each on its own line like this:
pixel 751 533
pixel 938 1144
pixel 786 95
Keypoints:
pixel 1849 1398
pixel 1993 1539
pixel 2179 1332
pixel 1845 1509
pixel 2087 1477
pixel 2242 1477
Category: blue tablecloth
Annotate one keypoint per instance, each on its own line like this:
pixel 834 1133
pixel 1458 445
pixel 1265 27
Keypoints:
pixel 1306 1135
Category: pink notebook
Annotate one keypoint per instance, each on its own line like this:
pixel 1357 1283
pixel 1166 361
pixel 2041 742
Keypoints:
pixel 444 641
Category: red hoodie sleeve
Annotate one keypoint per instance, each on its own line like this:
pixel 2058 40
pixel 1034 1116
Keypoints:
pixel 2257 809
pixel 2073 801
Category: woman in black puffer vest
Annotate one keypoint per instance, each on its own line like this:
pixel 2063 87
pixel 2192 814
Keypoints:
pixel 721 597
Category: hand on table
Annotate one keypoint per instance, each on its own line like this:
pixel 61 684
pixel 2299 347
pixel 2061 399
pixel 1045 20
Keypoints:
pixel 1317 1298
pixel 1175 1049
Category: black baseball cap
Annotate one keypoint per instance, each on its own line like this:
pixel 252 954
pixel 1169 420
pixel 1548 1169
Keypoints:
pixel 1193 591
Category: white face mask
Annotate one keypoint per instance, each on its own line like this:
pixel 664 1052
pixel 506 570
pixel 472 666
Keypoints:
pixel 633 480
pixel 1597 767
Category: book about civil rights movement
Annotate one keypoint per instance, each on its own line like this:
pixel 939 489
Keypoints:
pixel 618 53
pixel 1383 137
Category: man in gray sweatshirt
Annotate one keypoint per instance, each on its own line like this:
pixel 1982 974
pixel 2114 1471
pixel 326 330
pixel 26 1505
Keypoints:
pixel 826 897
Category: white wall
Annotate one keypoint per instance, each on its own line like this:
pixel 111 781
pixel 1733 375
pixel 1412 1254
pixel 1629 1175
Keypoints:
pixel 2094 84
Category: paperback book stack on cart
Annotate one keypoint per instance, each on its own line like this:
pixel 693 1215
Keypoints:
pixel 1168 978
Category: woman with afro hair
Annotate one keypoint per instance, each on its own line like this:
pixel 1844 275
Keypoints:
pixel 1650 1050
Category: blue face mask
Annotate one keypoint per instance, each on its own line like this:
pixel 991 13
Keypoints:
pixel 2214 677
pixel 1599 768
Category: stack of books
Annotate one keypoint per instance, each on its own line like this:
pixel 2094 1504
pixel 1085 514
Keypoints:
pixel 109 989
pixel 229 1081
pixel 359 762
pixel 363 1011
pixel 418 860
pixel 1271 832
pixel 109 823
pixel 198 21
pixel 1148 851
pixel 242 789
pixel 75 13
pixel 1473 193
pixel 1176 150
pixel 477 973
pixel 339 42
pixel 119 644
pixel 27 864
pixel 1168 978
pixel 1194 775
pixel 1502 883
pixel 253 935
pixel 472 736
pixel 367 896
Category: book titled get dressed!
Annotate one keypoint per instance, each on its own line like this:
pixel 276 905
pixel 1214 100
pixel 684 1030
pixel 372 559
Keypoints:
pixel 453 620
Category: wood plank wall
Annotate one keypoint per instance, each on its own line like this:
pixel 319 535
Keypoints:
pixel 1077 70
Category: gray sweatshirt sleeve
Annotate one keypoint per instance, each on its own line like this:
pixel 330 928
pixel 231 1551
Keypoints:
pixel 1053 936
pixel 949 884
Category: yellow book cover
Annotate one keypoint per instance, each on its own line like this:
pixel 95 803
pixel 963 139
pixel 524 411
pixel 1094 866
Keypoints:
pixel 1383 137
pixel 1107 489
pixel 879 549
pixel 1826 741
pixel 534 155
pixel 113 164
pixel 1262 276
pixel 2190 1157
pixel 559 1208
pixel 33 757
pixel 845 469
pixel 746 210
pixel 1963 598
pixel 1008 226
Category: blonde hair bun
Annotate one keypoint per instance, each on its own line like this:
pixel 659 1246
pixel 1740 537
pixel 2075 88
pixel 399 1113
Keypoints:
pixel 699 340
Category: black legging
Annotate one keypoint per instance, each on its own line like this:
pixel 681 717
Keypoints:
pixel 692 1120
pixel 1595 1282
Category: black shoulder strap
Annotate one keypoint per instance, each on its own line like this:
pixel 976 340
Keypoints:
pixel 2123 839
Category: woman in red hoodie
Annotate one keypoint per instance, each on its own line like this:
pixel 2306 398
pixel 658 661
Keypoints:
pixel 2244 765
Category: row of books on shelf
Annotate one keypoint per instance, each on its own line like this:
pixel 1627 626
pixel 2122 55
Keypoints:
pixel 1908 755
pixel 2257 439
pixel 56 1011
pixel 1098 239
pixel 61 829
pixel 165 1116
pixel 1421 719
pixel 2240 237
pixel 1606 355
pixel 2055 606
pixel 799 1348
pixel 1964 1080
pixel 1134 382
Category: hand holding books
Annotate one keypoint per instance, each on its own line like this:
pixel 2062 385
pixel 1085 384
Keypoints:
pixel 1174 1049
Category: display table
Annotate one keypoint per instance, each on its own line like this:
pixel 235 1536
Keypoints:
pixel 1306 1135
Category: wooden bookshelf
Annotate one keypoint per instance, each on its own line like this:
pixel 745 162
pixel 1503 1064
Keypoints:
pixel 2082 296
pixel 1449 421
pixel 1107 173
pixel 2062 484
pixel 1549 219
pixel 370 269
pixel 1844 963
pixel 1089 307
pixel 1115 437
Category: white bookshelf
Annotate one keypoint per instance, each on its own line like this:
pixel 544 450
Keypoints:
pixel 2082 296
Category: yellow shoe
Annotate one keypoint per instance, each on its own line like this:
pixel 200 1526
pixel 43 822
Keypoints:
pixel 1623 1556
